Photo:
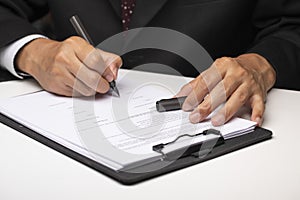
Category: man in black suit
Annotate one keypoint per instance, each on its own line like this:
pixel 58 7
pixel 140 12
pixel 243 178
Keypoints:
pixel 260 39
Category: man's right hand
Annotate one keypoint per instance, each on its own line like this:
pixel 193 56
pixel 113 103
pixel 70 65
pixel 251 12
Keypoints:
pixel 70 67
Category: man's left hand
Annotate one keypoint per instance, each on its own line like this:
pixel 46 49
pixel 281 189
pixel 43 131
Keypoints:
pixel 244 80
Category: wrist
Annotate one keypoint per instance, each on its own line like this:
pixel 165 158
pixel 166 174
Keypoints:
pixel 28 59
pixel 261 66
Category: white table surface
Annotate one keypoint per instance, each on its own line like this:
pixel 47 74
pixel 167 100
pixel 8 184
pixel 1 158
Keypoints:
pixel 269 170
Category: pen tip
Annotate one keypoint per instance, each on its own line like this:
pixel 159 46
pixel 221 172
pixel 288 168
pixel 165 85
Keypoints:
pixel 116 92
pixel 114 89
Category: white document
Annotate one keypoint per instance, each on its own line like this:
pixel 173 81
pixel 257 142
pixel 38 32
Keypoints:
pixel 117 132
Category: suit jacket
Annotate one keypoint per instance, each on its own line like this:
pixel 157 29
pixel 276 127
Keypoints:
pixel 222 27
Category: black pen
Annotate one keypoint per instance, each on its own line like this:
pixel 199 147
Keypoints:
pixel 164 105
pixel 81 31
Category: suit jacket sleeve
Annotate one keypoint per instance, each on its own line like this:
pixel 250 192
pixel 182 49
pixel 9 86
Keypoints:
pixel 16 17
pixel 278 39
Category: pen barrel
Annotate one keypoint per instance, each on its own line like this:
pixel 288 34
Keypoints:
pixel 80 30
pixel 170 104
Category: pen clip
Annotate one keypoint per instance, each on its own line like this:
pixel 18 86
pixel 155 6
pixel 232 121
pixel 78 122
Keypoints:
pixel 196 150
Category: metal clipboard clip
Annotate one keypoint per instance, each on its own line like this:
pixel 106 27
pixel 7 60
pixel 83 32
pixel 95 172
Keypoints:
pixel 197 150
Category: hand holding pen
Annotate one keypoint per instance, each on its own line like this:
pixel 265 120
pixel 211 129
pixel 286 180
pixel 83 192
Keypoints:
pixel 102 66
pixel 69 67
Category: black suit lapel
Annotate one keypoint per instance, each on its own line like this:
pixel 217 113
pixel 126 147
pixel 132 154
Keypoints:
pixel 144 11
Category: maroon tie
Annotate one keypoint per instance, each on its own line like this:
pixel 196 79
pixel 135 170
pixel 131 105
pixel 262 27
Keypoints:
pixel 127 7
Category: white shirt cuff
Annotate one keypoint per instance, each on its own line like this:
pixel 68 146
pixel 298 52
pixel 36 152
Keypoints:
pixel 9 52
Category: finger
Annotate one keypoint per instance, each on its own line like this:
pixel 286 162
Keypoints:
pixel 87 54
pixel 56 82
pixel 115 66
pixel 107 68
pixel 67 91
pixel 89 77
pixel 63 90
pixel 205 82
pixel 108 75
pixel 95 62
pixel 234 103
pixel 79 88
pixel 113 61
pixel 82 48
pixel 213 100
pixel 111 72
pixel 105 63
pixel 258 109
pixel 92 79
pixel 195 95
pixel 186 89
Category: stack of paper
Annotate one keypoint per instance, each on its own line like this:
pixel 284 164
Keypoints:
pixel 117 132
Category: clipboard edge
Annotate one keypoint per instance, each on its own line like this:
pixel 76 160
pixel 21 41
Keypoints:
pixel 133 178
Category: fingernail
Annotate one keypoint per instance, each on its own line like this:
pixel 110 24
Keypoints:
pixel 258 121
pixel 218 120
pixel 109 77
pixel 195 117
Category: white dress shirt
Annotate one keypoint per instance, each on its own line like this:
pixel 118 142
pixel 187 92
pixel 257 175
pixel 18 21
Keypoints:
pixel 9 52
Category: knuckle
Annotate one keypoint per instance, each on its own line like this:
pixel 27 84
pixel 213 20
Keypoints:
pixel 61 56
pixel 54 72
pixel 252 82
pixel 229 81
pixel 218 62
pixel 94 59
pixel 229 84
pixel 227 60
pixel 202 82
pixel 223 61
pixel 205 108
pixel 242 97
pixel 199 98
pixel 225 93
pixel 242 72
pixel 73 40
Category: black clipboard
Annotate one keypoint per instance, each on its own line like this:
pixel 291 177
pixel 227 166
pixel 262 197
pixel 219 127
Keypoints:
pixel 131 177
